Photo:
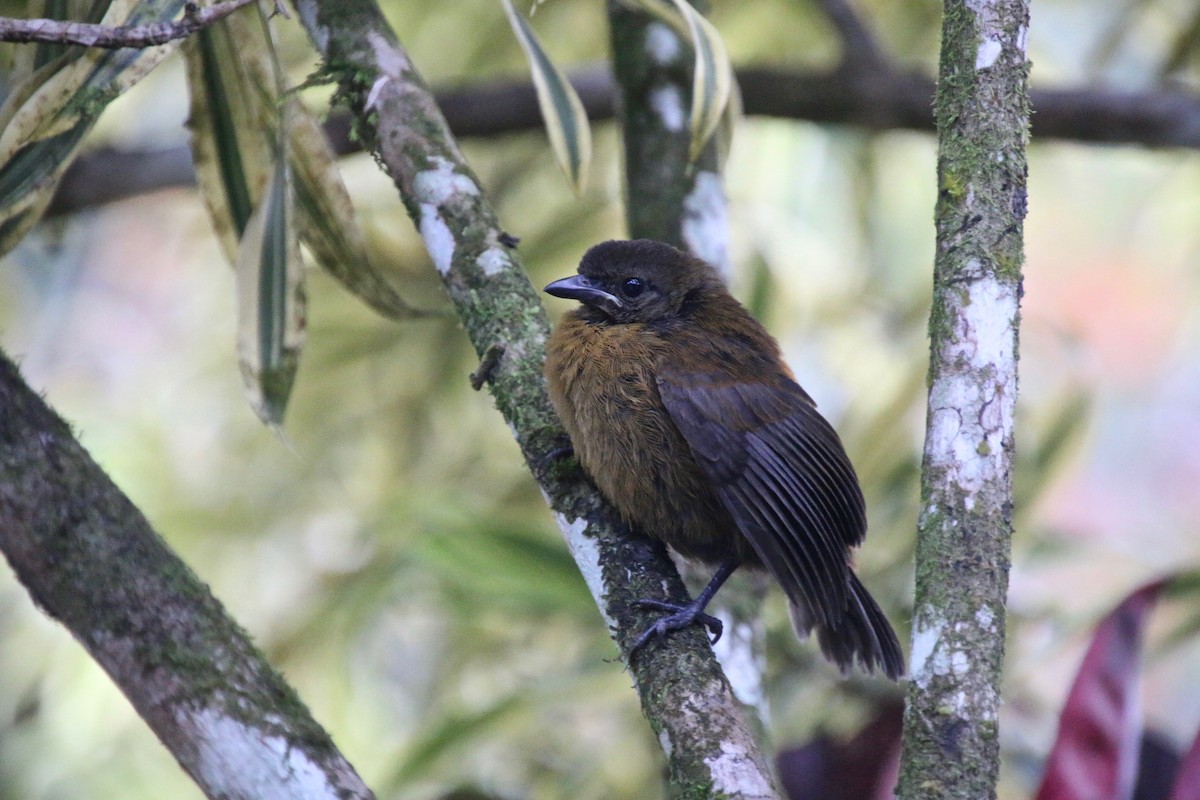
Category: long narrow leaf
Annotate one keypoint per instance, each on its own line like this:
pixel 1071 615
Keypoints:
pixel 243 159
pixel 271 301
pixel 712 77
pixel 45 118
pixel 326 218
pixel 566 121
pixel 1099 733
pixel 234 120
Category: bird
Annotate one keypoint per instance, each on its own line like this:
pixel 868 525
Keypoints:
pixel 681 410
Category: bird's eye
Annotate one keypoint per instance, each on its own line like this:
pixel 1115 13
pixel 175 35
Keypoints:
pixel 632 287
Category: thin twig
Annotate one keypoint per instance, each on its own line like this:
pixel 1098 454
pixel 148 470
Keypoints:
pixel 115 37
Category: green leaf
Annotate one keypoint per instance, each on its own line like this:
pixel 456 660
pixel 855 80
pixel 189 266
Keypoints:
pixel 237 115
pixel 566 122
pixel 712 77
pixel 271 300
pixel 234 120
pixel 713 83
pixel 243 158
pixel 328 224
pixel 45 117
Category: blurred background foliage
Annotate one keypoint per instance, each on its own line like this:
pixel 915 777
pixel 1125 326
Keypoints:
pixel 391 554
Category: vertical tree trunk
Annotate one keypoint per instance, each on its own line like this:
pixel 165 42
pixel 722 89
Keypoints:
pixel 672 200
pixel 963 550
pixel 667 198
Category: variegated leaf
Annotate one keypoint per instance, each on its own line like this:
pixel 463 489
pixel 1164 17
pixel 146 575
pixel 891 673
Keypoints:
pixel 242 151
pixel 712 76
pixel 326 218
pixel 271 301
pixel 235 109
pixel 234 119
pixel 45 118
pixel 566 122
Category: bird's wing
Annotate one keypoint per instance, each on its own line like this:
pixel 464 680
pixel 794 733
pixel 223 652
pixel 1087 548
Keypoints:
pixel 781 472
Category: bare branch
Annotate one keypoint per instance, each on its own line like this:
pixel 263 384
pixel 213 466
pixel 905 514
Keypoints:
pixel 116 37
pixel 878 100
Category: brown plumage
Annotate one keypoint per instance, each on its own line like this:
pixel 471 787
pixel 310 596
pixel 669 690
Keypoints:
pixel 682 411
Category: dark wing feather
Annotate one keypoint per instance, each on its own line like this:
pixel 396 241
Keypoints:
pixel 782 474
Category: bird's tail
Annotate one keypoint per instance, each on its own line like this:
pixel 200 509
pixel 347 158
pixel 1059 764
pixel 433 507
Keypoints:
pixel 863 634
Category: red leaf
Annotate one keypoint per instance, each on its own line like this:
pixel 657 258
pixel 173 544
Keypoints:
pixel 1095 755
pixel 1187 780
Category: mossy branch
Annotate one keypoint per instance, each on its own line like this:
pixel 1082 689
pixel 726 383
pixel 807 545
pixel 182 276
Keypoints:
pixel 710 751
pixel 670 199
pixel 90 559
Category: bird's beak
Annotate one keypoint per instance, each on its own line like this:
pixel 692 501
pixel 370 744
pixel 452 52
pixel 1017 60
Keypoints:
pixel 585 290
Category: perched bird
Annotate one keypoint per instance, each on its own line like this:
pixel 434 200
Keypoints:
pixel 682 411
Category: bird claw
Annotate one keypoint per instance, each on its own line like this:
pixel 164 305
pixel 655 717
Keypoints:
pixel 561 451
pixel 681 616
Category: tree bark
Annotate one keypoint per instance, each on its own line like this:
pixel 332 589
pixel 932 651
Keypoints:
pixel 90 560
pixel 951 747
pixel 668 198
pixel 672 200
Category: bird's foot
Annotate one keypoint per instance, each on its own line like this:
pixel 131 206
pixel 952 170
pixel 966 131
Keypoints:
pixel 561 451
pixel 681 616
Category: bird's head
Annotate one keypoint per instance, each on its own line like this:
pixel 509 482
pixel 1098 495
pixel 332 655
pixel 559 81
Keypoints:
pixel 637 281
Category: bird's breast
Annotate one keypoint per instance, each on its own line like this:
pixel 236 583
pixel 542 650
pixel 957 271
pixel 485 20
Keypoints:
pixel 603 383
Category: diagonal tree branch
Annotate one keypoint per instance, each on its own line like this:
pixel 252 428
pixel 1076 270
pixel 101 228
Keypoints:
pixel 710 750
pixel 89 558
